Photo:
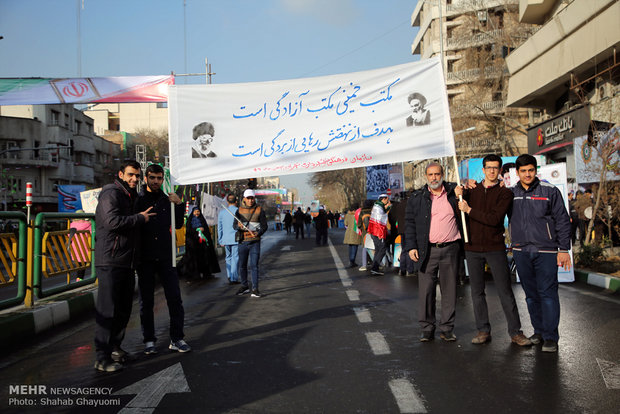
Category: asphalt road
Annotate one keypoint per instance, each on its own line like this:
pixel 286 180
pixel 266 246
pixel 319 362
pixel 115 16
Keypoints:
pixel 324 339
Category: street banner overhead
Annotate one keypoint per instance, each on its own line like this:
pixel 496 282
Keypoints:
pixel 121 89
pixel 235 131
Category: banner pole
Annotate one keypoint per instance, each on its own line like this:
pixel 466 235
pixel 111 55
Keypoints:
pixel 173 232
pixel 458 182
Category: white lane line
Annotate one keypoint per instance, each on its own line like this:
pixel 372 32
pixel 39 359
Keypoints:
pixel 363 314
pixel 406 396
pixel 286 248
pixel 353 295
pixel 377 343
pixel 610 372
pixel 344 277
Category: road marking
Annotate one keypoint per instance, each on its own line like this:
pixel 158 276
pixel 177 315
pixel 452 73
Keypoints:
pixel 610 373
pixel 377 343
pixel 353 295
pixel 363 314
pixel 151 390
pixel 406 396
pixel 344 276
pixel 593 294
pixel 286 248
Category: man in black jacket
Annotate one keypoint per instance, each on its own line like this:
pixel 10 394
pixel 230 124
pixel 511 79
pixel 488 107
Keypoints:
pixel 432 241
pixel 156 257
pixel 116 257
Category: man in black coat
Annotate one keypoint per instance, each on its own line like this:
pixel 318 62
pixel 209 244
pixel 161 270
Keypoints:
pixel 432 238
pixel 116 257
pixel 156 258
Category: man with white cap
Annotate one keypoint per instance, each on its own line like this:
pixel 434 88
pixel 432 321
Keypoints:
pixel 378 230
pixel 251 225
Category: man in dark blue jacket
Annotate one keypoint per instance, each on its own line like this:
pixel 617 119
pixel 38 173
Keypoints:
pixel 540 234
pixel 116 257
pixel 156 258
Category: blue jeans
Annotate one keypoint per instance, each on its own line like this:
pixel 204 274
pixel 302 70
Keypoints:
pixel 232 261
pixel 352 252
pixel 539 278
pixel 249 254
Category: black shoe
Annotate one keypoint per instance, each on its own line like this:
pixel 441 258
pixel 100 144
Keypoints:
pixel 427 336
pixel 255 293
pixel 536 339
pixel 243 290
pixel 353 264
pixel 550 346
pixel 448 336
pixel 377 272
pixel 107 365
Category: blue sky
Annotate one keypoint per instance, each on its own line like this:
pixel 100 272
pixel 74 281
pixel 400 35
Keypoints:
pixel 244 40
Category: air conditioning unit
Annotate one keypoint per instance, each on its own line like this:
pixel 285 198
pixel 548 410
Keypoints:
pixel 482 16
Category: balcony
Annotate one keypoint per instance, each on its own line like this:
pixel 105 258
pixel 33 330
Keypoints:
pixel 461 108
pixel 477 39
pixel 470 75
pixel 465 6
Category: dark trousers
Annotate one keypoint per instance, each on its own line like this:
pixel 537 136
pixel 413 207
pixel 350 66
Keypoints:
pixel 539 278
pixel 298 229
pixel 501 276
pixel 321 236
pixel 442 268
pixel 113 310
pixel 249 255
pixel 352 252
pixel 380 249
pixel 170 283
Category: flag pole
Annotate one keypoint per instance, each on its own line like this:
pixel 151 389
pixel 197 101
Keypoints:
pixel 458 182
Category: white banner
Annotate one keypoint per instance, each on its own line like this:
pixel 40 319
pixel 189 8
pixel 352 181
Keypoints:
pixel 382 116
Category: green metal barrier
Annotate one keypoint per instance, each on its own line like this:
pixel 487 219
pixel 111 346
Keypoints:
pixel 13 259
pixel 52 256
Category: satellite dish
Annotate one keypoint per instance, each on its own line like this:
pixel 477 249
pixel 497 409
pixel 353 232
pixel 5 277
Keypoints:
pixel 588 213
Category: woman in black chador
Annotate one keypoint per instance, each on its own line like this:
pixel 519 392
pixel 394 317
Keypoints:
pixel 200 260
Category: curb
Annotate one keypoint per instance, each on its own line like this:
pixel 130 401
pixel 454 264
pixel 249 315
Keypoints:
pixel 25 323
pixel 598 279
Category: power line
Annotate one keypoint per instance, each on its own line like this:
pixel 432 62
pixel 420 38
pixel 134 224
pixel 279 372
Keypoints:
pixel 356 49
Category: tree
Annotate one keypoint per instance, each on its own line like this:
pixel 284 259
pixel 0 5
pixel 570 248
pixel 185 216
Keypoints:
pixel 341 188
pixel 155 141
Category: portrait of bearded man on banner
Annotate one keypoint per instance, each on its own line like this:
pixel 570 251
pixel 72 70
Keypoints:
pixel 419 115
pixel 203 138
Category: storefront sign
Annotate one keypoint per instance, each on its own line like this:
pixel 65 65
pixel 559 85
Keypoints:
pixel 560 129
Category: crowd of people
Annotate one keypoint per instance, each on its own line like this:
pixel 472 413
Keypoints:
pixel 420 233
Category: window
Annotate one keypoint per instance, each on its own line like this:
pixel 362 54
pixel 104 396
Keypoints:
pixel 7 145
pixel 162 105
pixel 67 120
pixel 55 117
pixel 76 127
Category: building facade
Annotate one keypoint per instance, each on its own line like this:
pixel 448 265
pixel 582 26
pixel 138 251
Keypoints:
pixel 570 71
pixel 51 145
pixel 472 38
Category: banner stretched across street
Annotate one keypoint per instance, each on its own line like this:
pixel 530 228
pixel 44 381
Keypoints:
pixel 39 91
pixel 234 131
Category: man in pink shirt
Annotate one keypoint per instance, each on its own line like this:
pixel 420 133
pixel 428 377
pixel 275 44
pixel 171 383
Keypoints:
pixel 432 226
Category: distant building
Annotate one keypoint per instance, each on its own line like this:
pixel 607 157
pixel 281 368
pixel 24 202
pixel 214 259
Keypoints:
pixel 51 145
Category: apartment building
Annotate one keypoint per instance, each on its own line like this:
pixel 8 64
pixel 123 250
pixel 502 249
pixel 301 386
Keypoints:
pixel 570 70
pixel 51 145
pixel 472 38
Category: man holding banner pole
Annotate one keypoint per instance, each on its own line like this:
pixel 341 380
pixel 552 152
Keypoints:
pixel 156 239
pixel 432 241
